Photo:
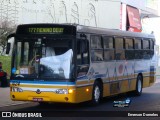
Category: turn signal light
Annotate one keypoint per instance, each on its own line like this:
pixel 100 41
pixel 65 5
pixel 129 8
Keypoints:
pixel 87 90
pixel 70 91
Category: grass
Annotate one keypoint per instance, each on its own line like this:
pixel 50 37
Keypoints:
pixel 6 64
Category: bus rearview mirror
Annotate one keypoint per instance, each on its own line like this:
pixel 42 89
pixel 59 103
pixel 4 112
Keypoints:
pixel 8 48
pixel 9 44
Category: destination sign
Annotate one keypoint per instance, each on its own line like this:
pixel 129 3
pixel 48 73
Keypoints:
pixel 58 29
pixel 45 30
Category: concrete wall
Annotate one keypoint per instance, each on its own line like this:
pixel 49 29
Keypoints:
pixel 98 13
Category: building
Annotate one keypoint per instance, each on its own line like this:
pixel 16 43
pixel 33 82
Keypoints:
pixel 98 13
pixel 113 14
pixel 136 12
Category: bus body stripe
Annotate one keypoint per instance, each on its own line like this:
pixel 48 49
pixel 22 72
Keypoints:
pixel 42 82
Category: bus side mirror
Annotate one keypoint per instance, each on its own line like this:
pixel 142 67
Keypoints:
pixel 9 44
pixel 8 48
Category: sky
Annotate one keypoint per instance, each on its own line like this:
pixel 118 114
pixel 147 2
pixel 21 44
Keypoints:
pixel 152 24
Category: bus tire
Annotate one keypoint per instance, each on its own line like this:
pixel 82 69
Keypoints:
pixel 138 90
pixel 96 93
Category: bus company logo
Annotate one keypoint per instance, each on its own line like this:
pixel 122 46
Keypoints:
pixel 38 91
pixel 120 69
pixel 127 101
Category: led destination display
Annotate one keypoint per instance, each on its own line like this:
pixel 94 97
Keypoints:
pixel 46 29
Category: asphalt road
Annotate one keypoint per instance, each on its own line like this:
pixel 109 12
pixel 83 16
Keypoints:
pixel 148 102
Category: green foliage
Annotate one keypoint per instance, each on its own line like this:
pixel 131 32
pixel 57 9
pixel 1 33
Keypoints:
pixel 6 64
pixel 6 29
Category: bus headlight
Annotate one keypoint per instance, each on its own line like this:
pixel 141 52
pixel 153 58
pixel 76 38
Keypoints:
pixel 16 89
pixel 61 91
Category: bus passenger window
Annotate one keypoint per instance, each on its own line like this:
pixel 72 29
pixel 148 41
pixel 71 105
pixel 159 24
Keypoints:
pixel 137 44
pixel 96 42
pixel 151 44
pixel 128 43
pixel 145 44
pixel 108 48
pixel 138 48
pixel 151 48
pixel 108 42
pixel 146 51
pixel 119 43
pixel 96 55
pixel 129 51
pixel 109 55
pixel 120 55
pixel 119 49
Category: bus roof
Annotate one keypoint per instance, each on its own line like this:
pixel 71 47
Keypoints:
pixel 86 29
pixel 112 32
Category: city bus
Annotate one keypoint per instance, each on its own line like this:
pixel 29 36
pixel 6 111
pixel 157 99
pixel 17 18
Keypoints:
pixel 70 63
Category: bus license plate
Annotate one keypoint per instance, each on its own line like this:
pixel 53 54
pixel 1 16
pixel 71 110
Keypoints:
pixel 37 99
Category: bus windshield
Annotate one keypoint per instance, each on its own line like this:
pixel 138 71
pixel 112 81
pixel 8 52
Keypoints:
pixel 43 58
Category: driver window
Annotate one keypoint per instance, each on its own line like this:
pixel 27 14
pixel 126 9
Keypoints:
pixel 82 57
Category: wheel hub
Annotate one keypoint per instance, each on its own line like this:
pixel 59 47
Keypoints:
pixel 139 86
pixel 97 93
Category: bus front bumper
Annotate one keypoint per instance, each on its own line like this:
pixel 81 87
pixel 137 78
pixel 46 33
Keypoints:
pixel 44 96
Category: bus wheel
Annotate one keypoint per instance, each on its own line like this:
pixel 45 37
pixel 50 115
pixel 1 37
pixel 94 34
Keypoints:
pixel 96 93
pixel 138 90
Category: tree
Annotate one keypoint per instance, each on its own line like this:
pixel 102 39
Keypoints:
pixel 6 29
